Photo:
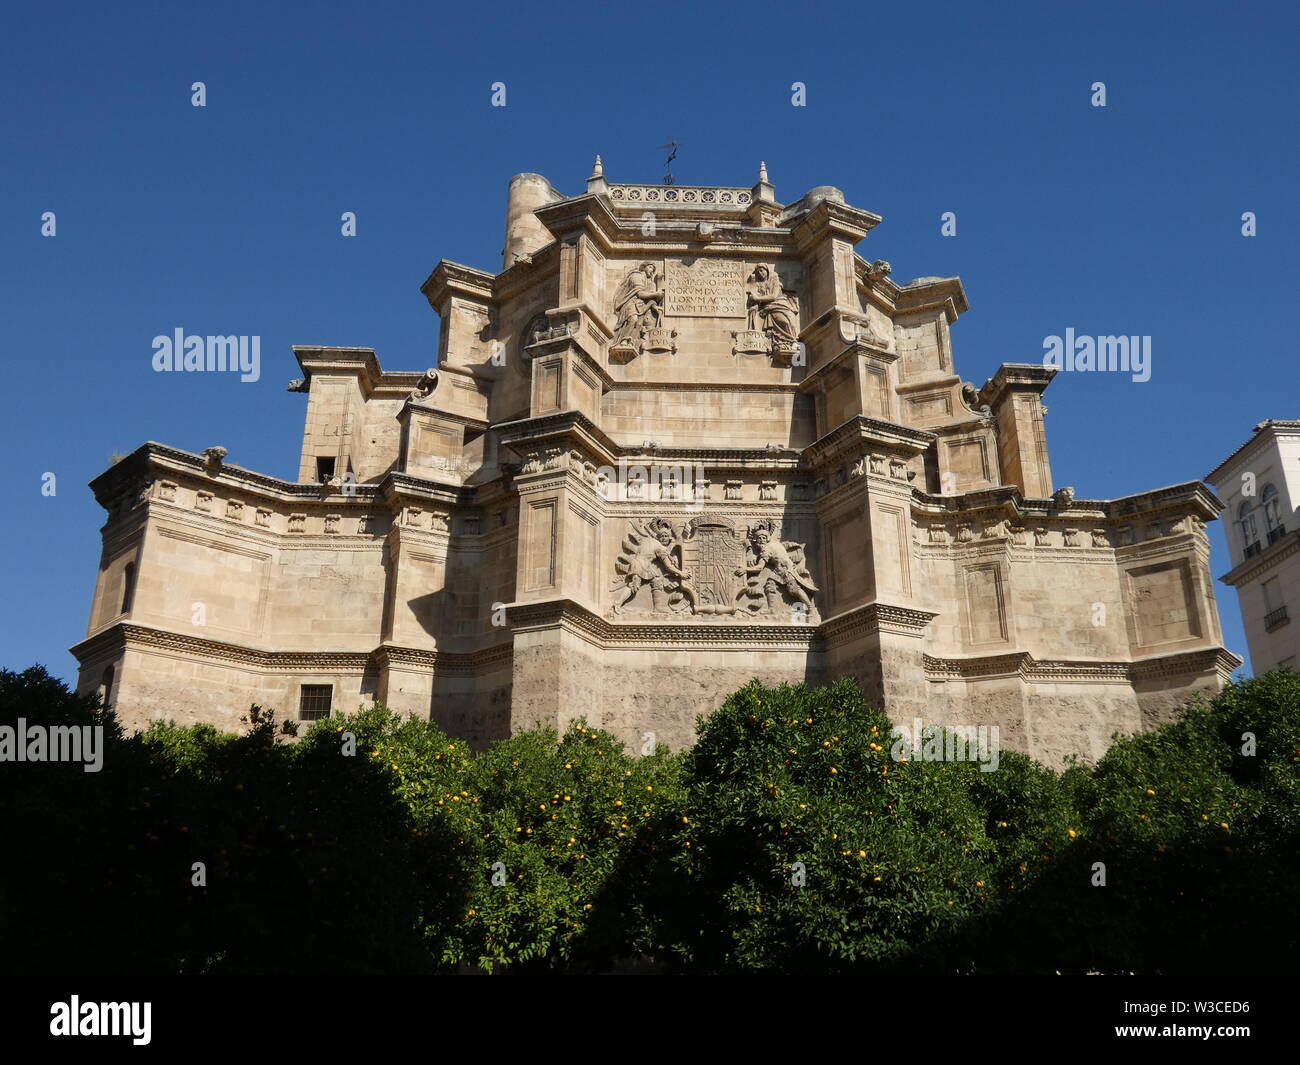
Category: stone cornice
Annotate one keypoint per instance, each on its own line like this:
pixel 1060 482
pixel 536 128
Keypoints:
pixel 860 430
pixel 1030 669
pixel 454 279
pixel 127 634
pixel 1191 497
pixel 876 617
pixel 1250 569
pixel 726 387
pixel 1219 659
pixel 361 363
pixel 575 426
pixel 930 293
pixel 1188 495
pixel 617 226
pixel 158 459
pixel 829 216
pixel 121 635
pixel 845 356
pixel 1019 376
pixel 709 631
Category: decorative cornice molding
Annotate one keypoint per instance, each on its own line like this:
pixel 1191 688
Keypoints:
pixel 117 638
pixel 859 430
pixel 876 617
pixel 1032 670
pixel 1249 569
pixel 712 632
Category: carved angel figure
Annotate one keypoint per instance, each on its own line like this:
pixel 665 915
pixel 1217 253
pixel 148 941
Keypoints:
pixel 652 555
pixel 772 309
pixel 774 566
pixel 638 304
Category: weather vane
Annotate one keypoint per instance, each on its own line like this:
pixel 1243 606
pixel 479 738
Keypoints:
pixel 671 147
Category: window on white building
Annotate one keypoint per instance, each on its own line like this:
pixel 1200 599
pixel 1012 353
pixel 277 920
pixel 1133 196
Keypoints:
pixel 1248 529
pixel 1268 500
pixel 1275 614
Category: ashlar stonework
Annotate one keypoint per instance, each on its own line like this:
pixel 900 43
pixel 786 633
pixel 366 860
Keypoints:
pixel 686 436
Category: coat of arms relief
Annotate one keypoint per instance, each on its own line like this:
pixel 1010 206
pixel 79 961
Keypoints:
pixel 705 567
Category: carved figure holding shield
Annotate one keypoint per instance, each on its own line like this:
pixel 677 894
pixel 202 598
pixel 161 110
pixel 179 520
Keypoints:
pixel 650 555
pixel 776 566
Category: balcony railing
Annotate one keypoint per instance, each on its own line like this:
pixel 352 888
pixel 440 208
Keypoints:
pixel 1275 619
pixel 1274 535
pixel 1252 549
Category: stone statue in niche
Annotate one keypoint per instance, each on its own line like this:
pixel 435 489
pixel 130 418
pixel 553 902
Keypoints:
pixel 775 571
pixel 652 555
pixel 638 308
pixel 970 397
pixel 773 310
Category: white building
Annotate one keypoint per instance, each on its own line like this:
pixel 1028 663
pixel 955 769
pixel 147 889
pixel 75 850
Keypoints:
pixel 1260 483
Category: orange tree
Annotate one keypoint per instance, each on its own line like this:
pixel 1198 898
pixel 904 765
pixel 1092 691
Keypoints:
pixel 530 842
pixel 1190 857
pixel 560 822
pixel 804 846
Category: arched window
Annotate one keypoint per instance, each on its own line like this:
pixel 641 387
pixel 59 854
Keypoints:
pixel 128 586
pixel 1249 531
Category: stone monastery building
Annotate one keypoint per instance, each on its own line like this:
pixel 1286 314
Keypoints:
pixel 685 436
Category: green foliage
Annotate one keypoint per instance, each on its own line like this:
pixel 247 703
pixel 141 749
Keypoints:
pixel 789 839
pixel 894 853
pixel 1198 827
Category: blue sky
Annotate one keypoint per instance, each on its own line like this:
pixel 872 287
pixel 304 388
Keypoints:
pixel 225 219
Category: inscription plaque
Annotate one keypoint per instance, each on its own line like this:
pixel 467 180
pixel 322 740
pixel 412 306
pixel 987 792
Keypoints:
pixel 710 288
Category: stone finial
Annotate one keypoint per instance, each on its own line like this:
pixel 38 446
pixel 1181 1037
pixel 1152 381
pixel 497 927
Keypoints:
pixel 763 191
pixel 1063 497
pixel 596 183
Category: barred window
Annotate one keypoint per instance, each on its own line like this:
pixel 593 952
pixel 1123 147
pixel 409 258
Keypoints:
pixel 314 702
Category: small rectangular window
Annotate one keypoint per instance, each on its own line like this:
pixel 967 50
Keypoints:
pixel 128 587
pixel 315 701
pixel 324 469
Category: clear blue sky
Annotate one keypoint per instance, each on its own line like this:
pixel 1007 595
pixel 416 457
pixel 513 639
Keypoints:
pixel 225 220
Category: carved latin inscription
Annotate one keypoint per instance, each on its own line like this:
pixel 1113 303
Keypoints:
pixel 708 288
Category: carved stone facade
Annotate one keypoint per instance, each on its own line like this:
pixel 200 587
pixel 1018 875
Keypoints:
pixel 685 437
